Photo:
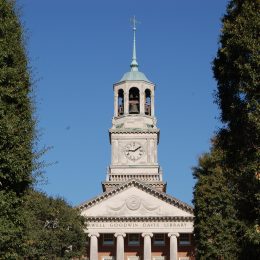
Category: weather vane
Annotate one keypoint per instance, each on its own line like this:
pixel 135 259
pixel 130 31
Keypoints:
pixel 134 22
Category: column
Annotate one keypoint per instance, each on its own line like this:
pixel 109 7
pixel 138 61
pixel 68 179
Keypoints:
pixel 93 246
pixel 116 103
pixel 152 103
pixel 126 102
pixel 147 246
pixel 142 102
pixel 173 246
pixel 120 251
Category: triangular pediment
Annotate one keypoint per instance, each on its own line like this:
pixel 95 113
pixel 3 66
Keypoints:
pixel 135 199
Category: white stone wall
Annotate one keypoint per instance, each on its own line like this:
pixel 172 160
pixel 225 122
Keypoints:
pixel 119 143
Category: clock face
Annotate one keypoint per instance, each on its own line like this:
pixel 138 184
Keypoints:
pixel 134 151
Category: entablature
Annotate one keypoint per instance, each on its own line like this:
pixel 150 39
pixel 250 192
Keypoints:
pixel 140 224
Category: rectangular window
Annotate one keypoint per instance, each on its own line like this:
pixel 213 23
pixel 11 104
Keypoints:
pixel 108 258
pixel 108 239
pixel 133 258
pixel 133 239
pixel 159 239
pixel 184 239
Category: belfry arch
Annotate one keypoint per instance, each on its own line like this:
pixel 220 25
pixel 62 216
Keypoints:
pixel 120 102
pixel 134 101
pixel 147 104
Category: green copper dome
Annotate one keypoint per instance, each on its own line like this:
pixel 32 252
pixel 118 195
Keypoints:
pixel 134 75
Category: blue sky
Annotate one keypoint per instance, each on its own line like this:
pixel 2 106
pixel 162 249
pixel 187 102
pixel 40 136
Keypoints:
pixel 79 48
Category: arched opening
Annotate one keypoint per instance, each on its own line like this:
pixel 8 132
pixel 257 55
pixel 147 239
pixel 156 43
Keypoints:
pixel 134 101
pixel 120 102
pixel 147 105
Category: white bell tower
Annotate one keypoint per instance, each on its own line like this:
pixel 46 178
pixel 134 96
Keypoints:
pixel 134 135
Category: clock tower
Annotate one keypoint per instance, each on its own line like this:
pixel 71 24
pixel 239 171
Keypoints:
pixel 134 218
pixel 134 135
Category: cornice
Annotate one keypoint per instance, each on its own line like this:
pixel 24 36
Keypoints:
pixel 133 131
pixel 133 82
pixel 137 219
pixel 118 183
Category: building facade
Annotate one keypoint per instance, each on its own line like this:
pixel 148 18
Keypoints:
pixel 134 218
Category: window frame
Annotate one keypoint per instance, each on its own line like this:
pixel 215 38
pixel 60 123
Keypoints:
pixel 158 242
pixel 185 242
pixel 107 243
pixel 129 241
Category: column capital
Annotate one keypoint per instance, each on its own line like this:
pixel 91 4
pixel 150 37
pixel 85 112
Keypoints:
pixel 93 235
pixel 173 234
pixel 120 234
pixel 147 234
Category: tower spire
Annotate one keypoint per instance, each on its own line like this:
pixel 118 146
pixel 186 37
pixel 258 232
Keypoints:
pixel 134 64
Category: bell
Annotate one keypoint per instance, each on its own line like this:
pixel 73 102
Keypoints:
pixel 133 108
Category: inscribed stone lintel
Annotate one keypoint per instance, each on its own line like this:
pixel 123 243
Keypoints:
pixel 139 227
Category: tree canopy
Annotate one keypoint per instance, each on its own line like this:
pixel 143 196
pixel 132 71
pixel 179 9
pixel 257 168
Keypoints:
pixel 236 70
pixel 16 130
pixel 216 226
pixel 53 228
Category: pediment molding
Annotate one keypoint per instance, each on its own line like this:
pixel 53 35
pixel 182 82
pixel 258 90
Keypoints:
pixel 140 185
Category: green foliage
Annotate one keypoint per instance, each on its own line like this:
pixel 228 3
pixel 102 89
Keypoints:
pixel 236 69
pixel 215 221
pixel 16 130
pixel 11 225
pixel 31 224
pixel 16 122
pixel 54 230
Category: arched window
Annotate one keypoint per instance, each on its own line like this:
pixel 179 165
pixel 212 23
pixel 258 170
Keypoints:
pixel 120 102
pixel 147 107
pixel 134 101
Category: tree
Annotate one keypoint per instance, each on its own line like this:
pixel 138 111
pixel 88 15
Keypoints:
pixel 54 230
pixel 236 69
pixel 215 216
pixel 32 225
pixel 16 130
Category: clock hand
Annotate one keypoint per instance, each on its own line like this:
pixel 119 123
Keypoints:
pixel 137 148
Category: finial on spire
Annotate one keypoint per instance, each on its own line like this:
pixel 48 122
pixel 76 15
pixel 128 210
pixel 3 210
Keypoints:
pixel 134 64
